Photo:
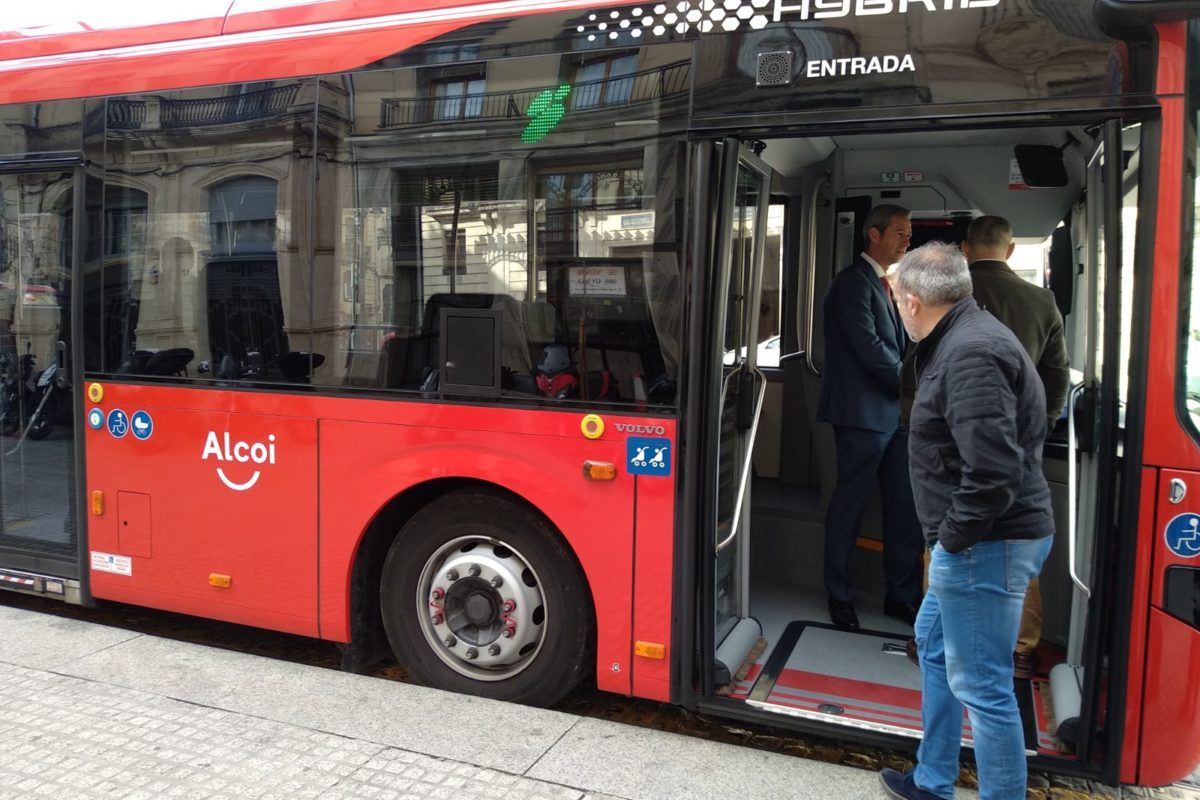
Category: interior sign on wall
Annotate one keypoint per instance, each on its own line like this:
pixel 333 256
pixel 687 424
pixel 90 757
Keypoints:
pixel 597 281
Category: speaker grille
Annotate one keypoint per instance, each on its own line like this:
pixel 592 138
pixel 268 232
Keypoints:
pixel 774 69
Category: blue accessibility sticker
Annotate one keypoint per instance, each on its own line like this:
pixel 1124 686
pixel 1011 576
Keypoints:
pixel 142 425
pixel 1183 535
pixel 95 419
pixel 647 456
pixel 118 423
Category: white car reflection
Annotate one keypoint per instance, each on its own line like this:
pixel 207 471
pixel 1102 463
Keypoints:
pixel 767 353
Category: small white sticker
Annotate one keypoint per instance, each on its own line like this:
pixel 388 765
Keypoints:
pixel 1015 179
pixel 107 562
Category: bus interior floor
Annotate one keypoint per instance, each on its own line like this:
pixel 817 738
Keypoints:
pixel 810 668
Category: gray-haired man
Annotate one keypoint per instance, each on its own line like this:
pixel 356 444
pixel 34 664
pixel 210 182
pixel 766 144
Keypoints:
pixel 975 444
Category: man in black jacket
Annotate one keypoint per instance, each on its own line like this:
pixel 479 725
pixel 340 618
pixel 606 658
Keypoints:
pixel 975 452
pixel 1031 313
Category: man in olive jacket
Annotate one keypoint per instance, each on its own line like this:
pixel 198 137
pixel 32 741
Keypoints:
pixel 1032 315
pixel 975 451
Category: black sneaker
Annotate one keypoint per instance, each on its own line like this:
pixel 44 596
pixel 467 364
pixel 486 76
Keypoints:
pixel 900 786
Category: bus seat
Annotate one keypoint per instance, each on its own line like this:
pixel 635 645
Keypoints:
pixel 514 344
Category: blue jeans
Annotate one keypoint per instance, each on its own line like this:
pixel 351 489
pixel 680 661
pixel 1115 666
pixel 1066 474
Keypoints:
pixel 966 631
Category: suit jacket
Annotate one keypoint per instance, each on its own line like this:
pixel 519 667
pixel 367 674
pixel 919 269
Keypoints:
pixel 864 346
pixel 1032 315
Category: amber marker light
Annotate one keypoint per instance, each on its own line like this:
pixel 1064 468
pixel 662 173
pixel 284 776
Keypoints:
pixel 599 471
pixel 650 650
pixel 220 581
pixel 97 503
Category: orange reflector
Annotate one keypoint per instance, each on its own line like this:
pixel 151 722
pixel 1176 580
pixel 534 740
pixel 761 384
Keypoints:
pixel 220 581
pixel 649 650
pixel 97 503
pixel 599 471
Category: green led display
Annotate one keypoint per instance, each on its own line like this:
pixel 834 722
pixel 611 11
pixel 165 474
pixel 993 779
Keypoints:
pixel 546 111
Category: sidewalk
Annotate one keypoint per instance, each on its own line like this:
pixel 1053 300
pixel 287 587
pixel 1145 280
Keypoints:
pixel 89 711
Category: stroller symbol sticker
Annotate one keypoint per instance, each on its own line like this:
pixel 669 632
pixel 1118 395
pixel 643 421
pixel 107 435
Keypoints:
pixel 647 456
pixel 1183 535
pixel 143 425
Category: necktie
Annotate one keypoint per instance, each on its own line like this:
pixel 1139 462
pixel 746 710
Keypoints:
pixel 887 292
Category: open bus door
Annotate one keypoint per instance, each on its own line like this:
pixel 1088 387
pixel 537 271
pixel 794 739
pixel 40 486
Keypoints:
pixel 41 219
pixel 1096 408
pixel 743 184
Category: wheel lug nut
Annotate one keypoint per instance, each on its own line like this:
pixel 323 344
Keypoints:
pixel 472 653
pixel 494 650
pixel 497 582
pixel 438 593
pixel 473 570
pixel 438 619
pixel 450 641
pixel 452 575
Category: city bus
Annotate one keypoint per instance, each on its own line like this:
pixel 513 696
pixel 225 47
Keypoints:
pixel 488 335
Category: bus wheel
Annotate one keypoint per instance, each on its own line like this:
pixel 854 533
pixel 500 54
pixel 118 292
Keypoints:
pixel 479 595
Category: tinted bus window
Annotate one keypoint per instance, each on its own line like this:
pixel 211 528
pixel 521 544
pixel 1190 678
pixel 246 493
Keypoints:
pixel 38 128
pixel 542 191
pixel 204 259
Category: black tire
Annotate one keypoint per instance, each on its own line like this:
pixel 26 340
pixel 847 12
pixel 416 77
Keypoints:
pixel 534 653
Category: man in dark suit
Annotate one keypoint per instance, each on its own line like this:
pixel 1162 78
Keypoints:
pixel 864 348
pixel 1032 315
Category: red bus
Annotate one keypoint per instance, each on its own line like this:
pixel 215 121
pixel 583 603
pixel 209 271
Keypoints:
pixel 488 335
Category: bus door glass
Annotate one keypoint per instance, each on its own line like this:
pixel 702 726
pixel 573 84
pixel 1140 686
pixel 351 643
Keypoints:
pixel 741 220
pixel 1097 408
pixel 38 529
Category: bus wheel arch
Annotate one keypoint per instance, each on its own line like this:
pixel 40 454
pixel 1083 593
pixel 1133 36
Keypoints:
pixel 516 623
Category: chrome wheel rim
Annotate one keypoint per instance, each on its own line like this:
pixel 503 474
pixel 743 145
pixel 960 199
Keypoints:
pixel 481 608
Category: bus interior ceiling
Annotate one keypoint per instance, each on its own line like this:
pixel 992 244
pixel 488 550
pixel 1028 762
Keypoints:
pixel 945 178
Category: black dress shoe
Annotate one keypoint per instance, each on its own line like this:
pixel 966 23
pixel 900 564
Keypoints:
pixel 841 613
pixel 905 612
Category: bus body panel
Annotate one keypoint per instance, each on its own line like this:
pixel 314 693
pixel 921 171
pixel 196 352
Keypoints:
pixel 595 517
pixel 653 577
pixel 206 493
pixel 1171 737
pixel 108 26
pixel 267 535
pixel 112 63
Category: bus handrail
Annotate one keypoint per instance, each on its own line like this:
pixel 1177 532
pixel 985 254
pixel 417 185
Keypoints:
pixel 807 333
pixel 1073 512
pixel 741 494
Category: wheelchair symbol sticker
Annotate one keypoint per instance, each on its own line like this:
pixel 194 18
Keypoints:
pixel 1183 535
pixel 118 423
pixel 142 425
pixel 647 456
pixel 95 419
